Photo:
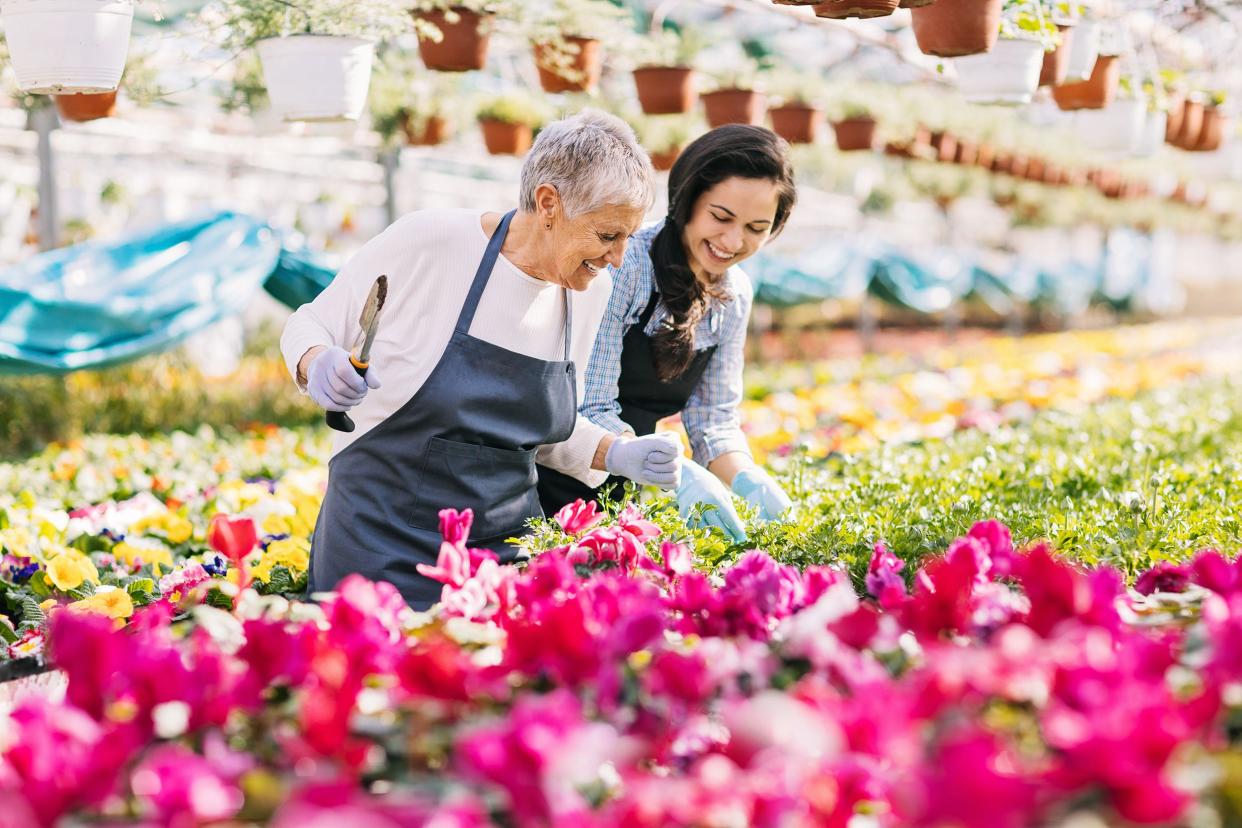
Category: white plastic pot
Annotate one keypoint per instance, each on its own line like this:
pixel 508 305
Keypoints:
pixel 1117 128
pixel 67 46
pixel 1152 136
pixel 1084 46
pixel 1009 74
pixel 317 77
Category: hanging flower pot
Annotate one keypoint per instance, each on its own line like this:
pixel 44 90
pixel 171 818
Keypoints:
pixel 797 123
pixel 1212 133
pixel 665 90
pixel 967 152
pixel 504 138
pixel 317 77
pixel 1096 92
pixel 1056 62
pixel 664 159
pixel 573 67
pixel 1083 51
pixel 1192 124
pixel 1009 74
pixel 944 146
pixel 953 28
pixel 841 9
pixel 86 106
pixel 463 43
pixel 67 46
pixel 432 132
pixel 1035 169
pixel 1018 164
pixel 855 133
pixel 734 106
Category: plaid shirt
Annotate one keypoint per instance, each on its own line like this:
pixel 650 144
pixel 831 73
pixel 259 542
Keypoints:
pixel 710 416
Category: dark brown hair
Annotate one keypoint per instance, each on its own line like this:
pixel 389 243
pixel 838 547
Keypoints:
pixel 735 150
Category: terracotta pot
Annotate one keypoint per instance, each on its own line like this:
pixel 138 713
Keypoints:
pixel 585 65
pixel 914 4
pixel 1056 62
pixel 797 123
pixel 734 106
pixel 1096 92
pixel 920 143
pixel 1192 125
pixel 88 106
pixel 665 90
pixel 1034 169
pixel 503 138
pixel 954 28
pixel 1076 178
pixel 840 9
pixel 1018 164
pixel 1173 126
pixel 985 154
pixel 1002 161
pixel 1212 133
pixel 434 131
pixel 855 134
pixel 967 152
pixel 664 161
pixel 945 146
pixel 897 150
pixel 464 46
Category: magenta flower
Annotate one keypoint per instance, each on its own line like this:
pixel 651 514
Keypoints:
pixel 997 543
pixel 1213 571
pixel 179 787
pixel 975 781
pixel 883 581
pixel 1163 577
pixel 575 518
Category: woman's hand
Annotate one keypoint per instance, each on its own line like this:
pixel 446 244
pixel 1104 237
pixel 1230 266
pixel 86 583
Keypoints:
pixel 332 381
pixel 654 460
pixel 698 485
pixel 764 493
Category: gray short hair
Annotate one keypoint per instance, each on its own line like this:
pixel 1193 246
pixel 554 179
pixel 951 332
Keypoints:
pixel 593 159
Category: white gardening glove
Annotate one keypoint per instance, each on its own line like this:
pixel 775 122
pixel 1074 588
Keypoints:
pixel 654 460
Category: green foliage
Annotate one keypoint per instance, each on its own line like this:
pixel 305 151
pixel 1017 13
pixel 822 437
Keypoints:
pixel 515 107
pixel 552 22
pixel 239 24
pixel 247 92
pixel 670 47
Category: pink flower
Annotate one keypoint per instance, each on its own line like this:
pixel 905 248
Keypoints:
pixel 631 520
pixel 609 546
pixel 883 581
pixel 998 544
pixel 455 525
pixel 975 781
pixel 1213 571
pixel 456 564
pixel 182 788
pixel 1163 577
pixel 575 518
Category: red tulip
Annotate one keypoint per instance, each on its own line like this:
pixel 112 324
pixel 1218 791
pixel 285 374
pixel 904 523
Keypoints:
pixel 234 538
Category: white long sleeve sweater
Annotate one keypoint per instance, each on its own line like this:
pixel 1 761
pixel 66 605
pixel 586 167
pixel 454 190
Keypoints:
pixel 430 258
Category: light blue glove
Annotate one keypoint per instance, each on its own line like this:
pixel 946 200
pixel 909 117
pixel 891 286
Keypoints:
pixel 764 493
pixel 698 485
pixel 653 460
pixel 333 382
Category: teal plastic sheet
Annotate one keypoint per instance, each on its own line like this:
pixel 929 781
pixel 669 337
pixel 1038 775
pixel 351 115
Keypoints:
pixel 300 275
pixel 96 304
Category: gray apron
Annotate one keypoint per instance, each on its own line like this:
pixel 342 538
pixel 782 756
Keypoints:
pixel 466 439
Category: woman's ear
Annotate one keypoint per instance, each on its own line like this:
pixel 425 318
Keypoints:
pixel 548 204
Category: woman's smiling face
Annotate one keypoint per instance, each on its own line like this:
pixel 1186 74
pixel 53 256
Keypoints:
pixel 729 223
pixel 587 243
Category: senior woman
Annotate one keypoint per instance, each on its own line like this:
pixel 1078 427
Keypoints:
pixel 672 338
pixel 486 316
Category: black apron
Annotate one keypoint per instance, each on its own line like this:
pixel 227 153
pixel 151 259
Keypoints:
pixel 466 439
pixel 645 400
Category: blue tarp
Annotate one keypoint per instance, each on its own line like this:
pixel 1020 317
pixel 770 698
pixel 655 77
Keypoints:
pixel 98 304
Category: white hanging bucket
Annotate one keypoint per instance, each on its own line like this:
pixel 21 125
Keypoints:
pixel 67 46
pixel 1152 136
pixel 1009 74
pixel 317 77
pixel 1117 128
pixel 1084 46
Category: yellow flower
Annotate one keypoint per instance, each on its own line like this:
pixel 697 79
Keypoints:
pixel 292 553
pixel 170 524
pixel 153 554
pixel 69 569
pixel 108 601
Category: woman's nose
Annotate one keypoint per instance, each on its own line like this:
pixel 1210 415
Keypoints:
pixel 616 253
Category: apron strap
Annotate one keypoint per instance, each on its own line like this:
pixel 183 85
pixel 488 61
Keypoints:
pixel 569 321
pixel 483 273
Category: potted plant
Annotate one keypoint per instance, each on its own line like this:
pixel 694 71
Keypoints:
pixel 138 81
pixel 566 40
pixel 665 77
pixel 1212 132
pixel 841 9
pixel 954 28
pixel 665 138
pixel 1096 92
pixel 406 108
pixel 316 55
pixel 797 119
pixel 1009 72
pixel 509 122
pixel 854 126
pixel 67 46
pixel 1084 45
pixel 453 35
pixel 736 98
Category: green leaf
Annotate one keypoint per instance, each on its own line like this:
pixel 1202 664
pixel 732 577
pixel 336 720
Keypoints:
pixel 40 585
pixel 217 599
pixel 7 632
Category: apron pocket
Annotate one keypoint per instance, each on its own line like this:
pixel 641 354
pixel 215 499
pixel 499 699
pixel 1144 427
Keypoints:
pixel 498 484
